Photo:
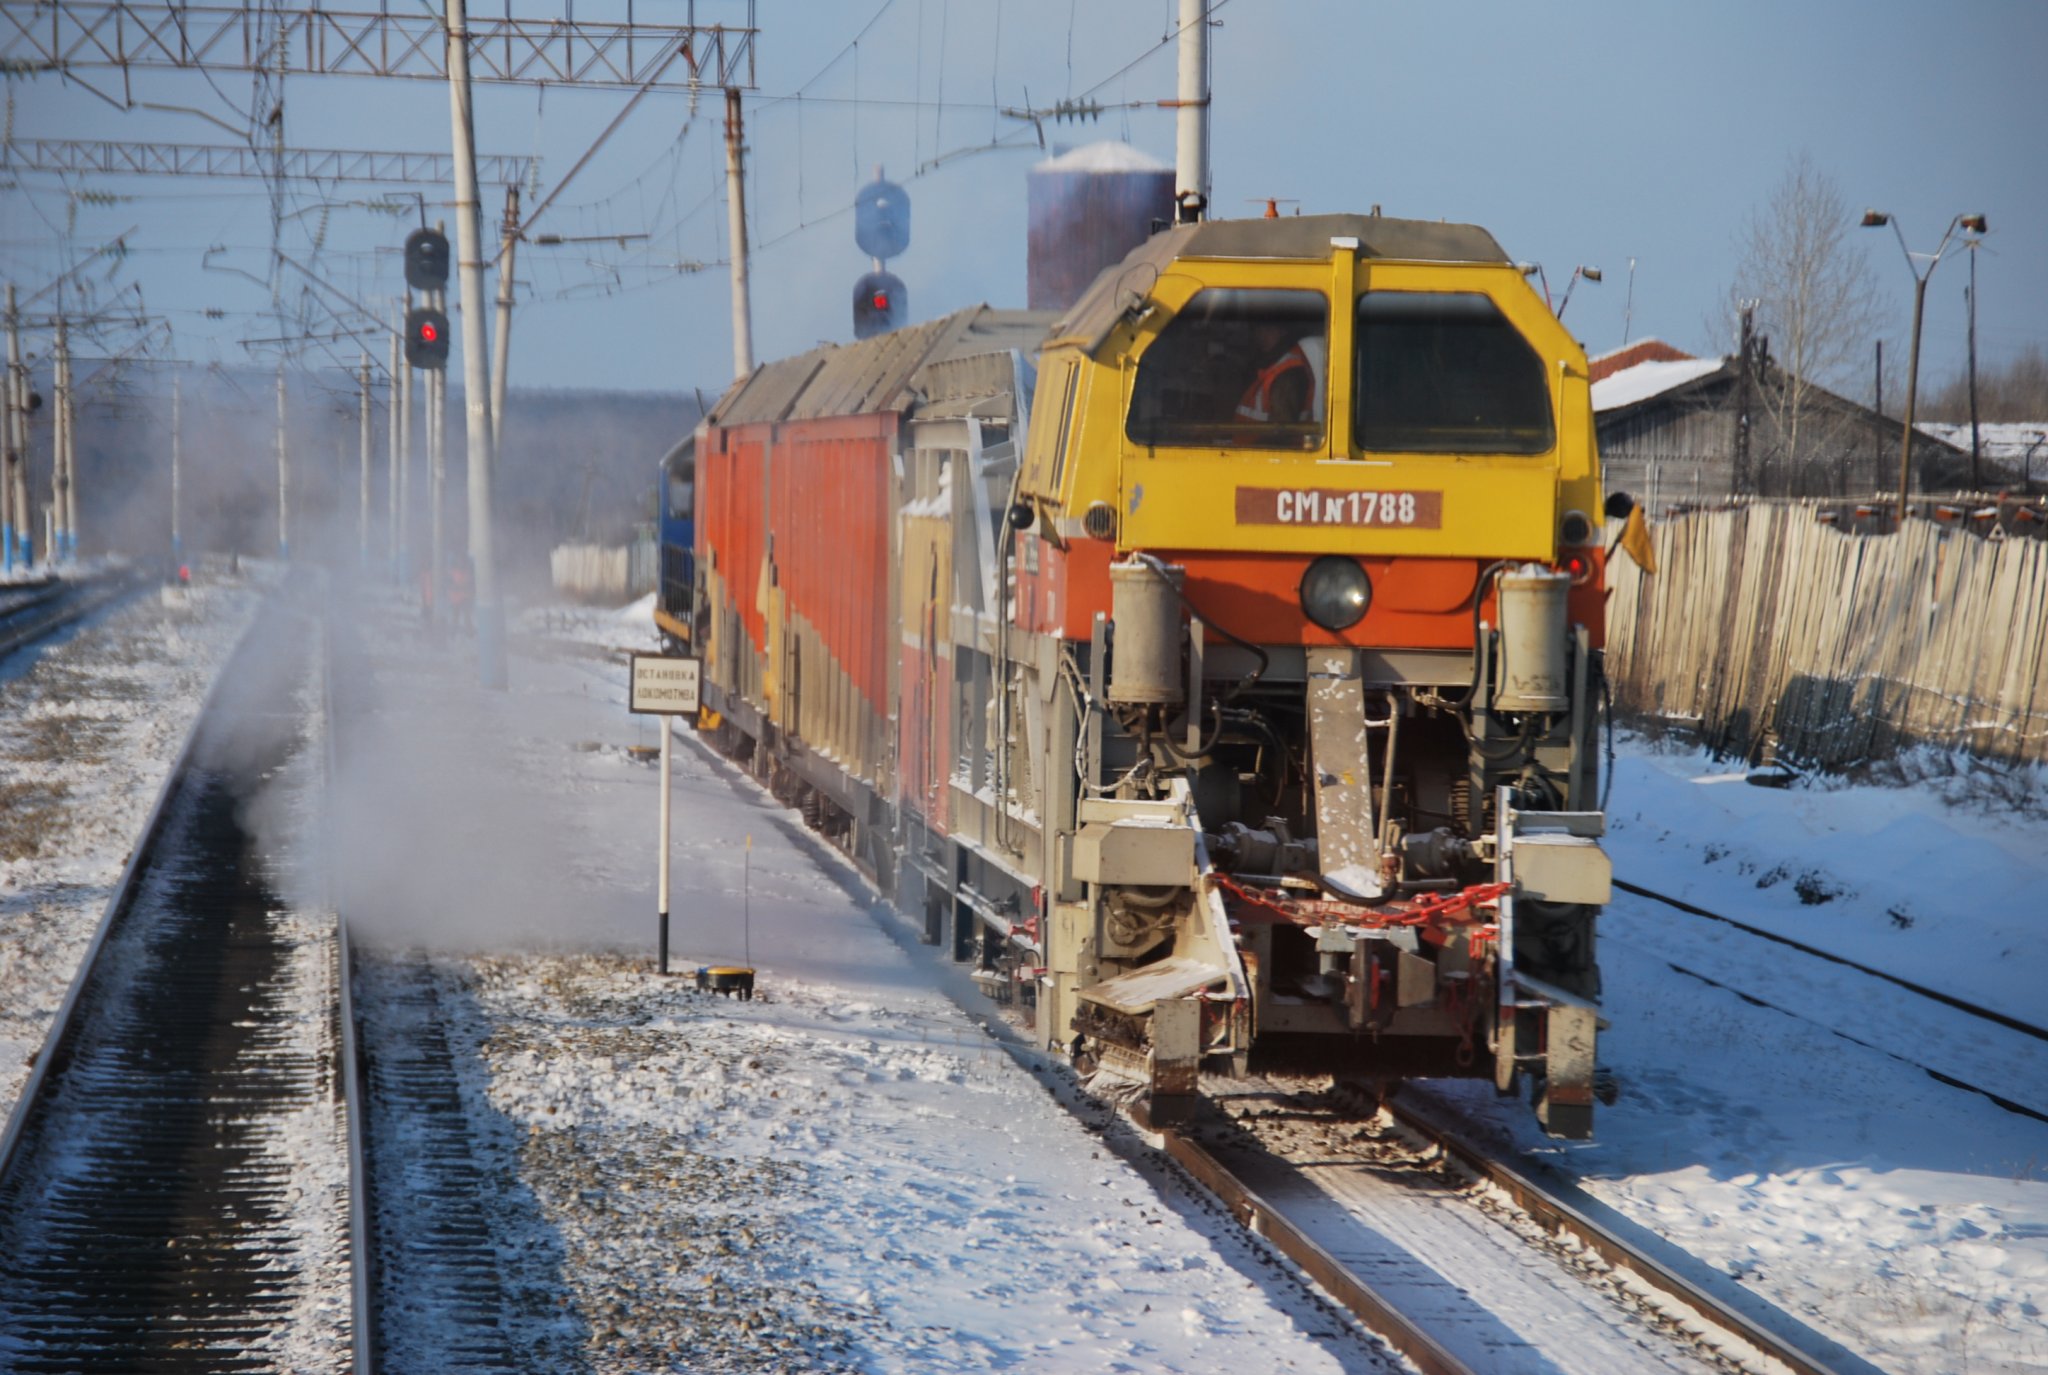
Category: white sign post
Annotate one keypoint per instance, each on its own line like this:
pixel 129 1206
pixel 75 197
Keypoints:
pixel 664 685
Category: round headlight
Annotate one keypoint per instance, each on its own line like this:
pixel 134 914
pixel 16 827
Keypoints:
pixel 1574 529
pixel 1335 592
pixel 1099 520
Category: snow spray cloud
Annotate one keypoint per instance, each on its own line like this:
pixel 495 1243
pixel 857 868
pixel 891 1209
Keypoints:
pixel 429 847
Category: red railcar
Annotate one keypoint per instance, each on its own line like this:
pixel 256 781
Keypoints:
pixel 818 648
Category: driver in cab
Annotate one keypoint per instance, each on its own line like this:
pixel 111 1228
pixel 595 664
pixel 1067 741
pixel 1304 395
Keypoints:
pixel 1288 390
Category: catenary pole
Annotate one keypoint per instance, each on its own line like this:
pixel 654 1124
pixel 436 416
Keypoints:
pixel 437 481
pixel 61 506
pixel 284 474
pixel 392 429
pixel 15 532
pixel 406 427
pixel 736 217
pixel 363 474
pixel 1191 118
pixel 501 337
pixel 177 466
pixel 70 459
pixel 476 380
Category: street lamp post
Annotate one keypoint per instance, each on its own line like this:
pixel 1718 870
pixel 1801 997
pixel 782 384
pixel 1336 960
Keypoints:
pixel 1873 219
pixel 1557 305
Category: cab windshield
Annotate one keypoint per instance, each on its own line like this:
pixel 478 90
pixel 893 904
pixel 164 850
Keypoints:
pixel 1236 368
pixel 1445 372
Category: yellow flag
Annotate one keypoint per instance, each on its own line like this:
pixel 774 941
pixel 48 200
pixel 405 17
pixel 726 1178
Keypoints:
pixel 1635 538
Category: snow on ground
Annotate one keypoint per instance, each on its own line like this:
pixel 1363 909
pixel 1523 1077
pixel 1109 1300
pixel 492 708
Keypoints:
pixel 1903 1218
pixel 1945 893
pixel 853 1132
pixel 90 723
pixel 845 1173
pixel 835 1178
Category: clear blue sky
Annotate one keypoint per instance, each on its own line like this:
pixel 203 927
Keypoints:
pixel 1578 133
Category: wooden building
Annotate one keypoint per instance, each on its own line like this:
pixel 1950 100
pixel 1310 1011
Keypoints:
pixel 1671 428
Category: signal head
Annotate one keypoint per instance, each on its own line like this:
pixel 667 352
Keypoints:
pixel 426 338
pixel 879 305
pixel 881 219
pixel 426 259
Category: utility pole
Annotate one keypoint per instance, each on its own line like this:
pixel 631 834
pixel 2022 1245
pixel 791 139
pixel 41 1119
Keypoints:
pixel 62 508
pixel 1739 479
pixel 1191 122
pixel 19 535
pixel 363 513
pixel 1912 394
pixel 1970 295
pixel 476 379
pixel 403 524
pixel 736 215
pixel 391 424
pixel 437 479
pixel 284 474
pixel 177 443
pixel 1877 462
pixel 501 338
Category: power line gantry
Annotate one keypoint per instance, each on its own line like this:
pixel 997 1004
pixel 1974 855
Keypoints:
pixel 103 157
pixel 85 35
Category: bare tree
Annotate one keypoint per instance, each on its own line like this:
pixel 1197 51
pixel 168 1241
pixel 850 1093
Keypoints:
pixel 1816 305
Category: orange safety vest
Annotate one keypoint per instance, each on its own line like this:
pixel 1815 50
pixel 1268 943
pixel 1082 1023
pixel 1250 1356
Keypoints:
pixel 1257 403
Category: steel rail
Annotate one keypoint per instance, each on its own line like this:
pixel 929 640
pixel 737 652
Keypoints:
pixel 1243 1204
pixel 2005 1020
pixel 118 903
pixel 1933 995
pixel 1373 1309
pixel 1556 1216
pixel 1261 1218
pixel 171 1075
pixel 353 1084
pixel 56 607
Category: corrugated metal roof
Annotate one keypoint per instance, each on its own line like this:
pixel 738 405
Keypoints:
pixel 1288 236
pixel 885 373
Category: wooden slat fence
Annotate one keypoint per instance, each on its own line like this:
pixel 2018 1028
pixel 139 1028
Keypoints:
pixel 1846 646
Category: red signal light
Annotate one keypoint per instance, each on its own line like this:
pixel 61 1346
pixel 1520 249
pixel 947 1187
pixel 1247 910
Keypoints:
pixel 429 333
pixel 881 300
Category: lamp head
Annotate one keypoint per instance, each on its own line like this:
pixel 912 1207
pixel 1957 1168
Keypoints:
pixel 1591 274
pixel 1973 223
pixel 1873 219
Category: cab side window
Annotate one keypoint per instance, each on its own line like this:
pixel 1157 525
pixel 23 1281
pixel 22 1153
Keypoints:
pixel 1236 368
pixel 1445 372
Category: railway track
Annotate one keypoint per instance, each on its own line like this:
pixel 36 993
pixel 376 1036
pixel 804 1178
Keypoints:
pixel 1996 1043
pixel 1655 1319
pixel 174 1189
pixel 28 614
pixel 452 1277
pixel 437 1287
pixel 1312 1172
